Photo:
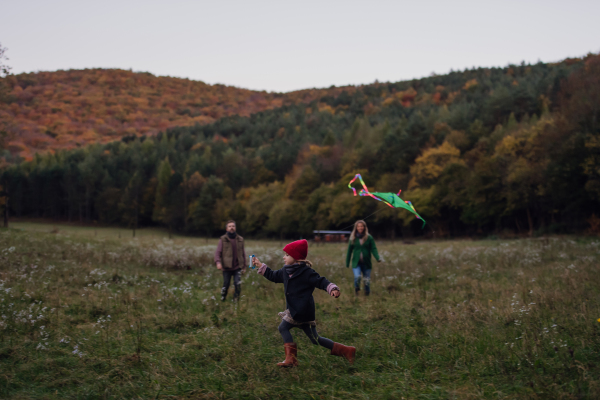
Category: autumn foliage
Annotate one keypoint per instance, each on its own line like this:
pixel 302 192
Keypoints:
pixel 512 150
pixel 47 111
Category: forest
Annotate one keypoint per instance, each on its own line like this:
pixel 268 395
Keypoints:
pixel 46 111
pixel 483 151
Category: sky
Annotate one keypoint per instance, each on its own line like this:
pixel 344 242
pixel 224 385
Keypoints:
pixel 283 46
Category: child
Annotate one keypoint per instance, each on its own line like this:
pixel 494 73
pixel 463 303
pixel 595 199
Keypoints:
pixel 299 281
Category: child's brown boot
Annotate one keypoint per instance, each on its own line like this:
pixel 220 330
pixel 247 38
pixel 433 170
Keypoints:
pixel 291 355
pixel 348 352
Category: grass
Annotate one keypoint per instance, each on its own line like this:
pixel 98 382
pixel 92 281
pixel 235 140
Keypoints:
pixel 93 317
pixel 89 231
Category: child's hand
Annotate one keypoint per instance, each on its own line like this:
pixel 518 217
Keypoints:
pixel 335 293
pixel 256 262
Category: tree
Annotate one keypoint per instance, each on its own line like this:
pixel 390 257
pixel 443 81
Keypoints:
pixel 580 112
pixel 169 201
pixel 4 72
pixel 523 162
pixel 4 195
pixel 301 187
pixel 161 199
pixel 258 203
pixel 130 202
pixel 90 172
pixel 429 166
pixel 591 165
pixel 201 211
pixel 4 68
pixel 284 218
pixel 191 190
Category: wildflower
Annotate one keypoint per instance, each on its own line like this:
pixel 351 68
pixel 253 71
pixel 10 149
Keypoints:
pixel 598 319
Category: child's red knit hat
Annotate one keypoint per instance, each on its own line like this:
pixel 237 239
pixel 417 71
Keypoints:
pixel 298 249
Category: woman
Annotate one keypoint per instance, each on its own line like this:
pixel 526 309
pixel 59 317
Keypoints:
pixel 360 248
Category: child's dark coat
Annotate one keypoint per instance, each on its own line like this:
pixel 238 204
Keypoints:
pixel 298 290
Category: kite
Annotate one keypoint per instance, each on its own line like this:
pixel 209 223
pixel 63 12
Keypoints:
pixel 391 199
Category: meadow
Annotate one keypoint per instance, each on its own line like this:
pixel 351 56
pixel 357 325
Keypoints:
pixel 106 317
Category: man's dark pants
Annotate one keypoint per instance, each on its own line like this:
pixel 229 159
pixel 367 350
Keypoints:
pixel 237 278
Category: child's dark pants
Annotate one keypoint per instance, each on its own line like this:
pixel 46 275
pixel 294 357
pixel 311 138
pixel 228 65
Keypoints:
pixel 310 331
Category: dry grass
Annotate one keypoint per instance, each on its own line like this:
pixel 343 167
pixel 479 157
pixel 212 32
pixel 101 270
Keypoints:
pixel 90 317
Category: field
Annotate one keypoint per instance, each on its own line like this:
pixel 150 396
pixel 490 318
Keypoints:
pixel 89 232
pixel 107 316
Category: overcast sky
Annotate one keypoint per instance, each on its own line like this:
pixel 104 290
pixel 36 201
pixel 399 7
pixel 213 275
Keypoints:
pixel 283 46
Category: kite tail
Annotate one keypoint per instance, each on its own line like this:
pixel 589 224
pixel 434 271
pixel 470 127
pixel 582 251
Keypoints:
pixel 364 190
pixel 416 213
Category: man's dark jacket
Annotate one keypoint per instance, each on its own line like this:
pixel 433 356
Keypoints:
pixel 299 289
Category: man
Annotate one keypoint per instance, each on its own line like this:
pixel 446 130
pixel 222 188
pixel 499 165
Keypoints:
pixel 230 258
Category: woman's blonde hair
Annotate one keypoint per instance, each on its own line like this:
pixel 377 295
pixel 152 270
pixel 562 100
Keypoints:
pixel 353 234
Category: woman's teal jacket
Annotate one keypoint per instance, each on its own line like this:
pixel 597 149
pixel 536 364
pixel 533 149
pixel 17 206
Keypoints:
pixel 355 248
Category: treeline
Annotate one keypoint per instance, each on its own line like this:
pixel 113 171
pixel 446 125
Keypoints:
pixel 476 151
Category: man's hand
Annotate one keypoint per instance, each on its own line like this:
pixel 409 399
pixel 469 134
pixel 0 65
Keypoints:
pixel 219 266
pixel 335 293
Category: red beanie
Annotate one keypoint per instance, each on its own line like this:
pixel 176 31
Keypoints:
pixel 298 249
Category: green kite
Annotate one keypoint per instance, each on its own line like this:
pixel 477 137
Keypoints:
pixel 391 199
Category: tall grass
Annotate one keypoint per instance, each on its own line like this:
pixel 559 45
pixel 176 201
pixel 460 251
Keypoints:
pixel 140 318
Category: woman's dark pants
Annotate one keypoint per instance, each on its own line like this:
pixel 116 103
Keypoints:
pixel 366 273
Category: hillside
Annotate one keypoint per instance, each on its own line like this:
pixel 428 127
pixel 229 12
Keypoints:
pixel 67 109
pixel 484 150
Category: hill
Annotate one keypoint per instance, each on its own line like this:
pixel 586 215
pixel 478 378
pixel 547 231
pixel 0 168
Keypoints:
pixel 486 150
pixel 47 111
